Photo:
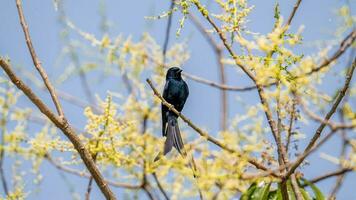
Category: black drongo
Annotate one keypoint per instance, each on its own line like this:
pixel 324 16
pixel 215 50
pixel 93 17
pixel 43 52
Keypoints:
pixel 176 93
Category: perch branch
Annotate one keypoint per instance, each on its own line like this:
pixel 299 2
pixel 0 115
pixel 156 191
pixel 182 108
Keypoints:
pixel 205 134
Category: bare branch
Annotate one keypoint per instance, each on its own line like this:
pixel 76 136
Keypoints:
pixel 341 177
pixel 290 127
pixel 315 117
pixel 291 16
pixel 64 126
pixel 86 175
pixel 3 122
pixel 344 45
pixel 160 186
pixel 211 83
pixel 220 86
pixel 214 45
pixel 168 29
pixel 36 60
pixel 76 101
pixel 330 174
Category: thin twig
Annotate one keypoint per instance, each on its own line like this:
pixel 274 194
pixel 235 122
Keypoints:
pixel 221 86
pixel 145 184
pixel 315 117
pixel 344 45
pixel 291 121
pixel 64 126
pixel 160 187
pixel 292 14
pixel 148 192
pixel 340 178
pixel 86 175
pixel 5 109
pixel 209 82
pixel 207 36
pixel 168 30
pixel 77 101
pixel 330 174
pixel 321 127
pixel 36 60
pixel 82 76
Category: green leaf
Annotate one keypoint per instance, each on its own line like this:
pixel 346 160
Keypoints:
pixel 272 195
pixel 275 195
pixel 261 193
pixel 318 194
pixel 248 194
pixel 305 194
pixel 279 194
pixel 290 190
pixel 277 12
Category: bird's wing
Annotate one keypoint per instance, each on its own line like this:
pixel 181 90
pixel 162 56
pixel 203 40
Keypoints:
pixel 184 96
pixel 164 119
pixel 164 109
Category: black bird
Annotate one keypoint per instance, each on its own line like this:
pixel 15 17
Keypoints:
pixel 176 93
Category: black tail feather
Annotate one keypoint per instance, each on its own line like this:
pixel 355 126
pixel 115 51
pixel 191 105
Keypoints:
pixel 173 135
pixel 174 138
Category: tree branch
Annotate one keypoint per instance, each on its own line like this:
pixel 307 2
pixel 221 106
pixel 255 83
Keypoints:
pixel 160 186
pixel 341 177
pixel 64 126
pixel 86 175
pixel 36 60
pixel 321 127
pixel 331 174
pixel 291 16
pixel 3 122
pixel 344 45
pixel 221 86
pixel 168 29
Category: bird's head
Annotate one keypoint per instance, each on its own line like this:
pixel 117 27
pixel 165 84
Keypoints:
pixel 174 72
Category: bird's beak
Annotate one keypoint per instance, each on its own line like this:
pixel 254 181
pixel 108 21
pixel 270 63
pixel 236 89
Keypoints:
pixel 180 71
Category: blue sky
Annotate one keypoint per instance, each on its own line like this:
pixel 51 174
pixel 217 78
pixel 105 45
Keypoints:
pixel 127 18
